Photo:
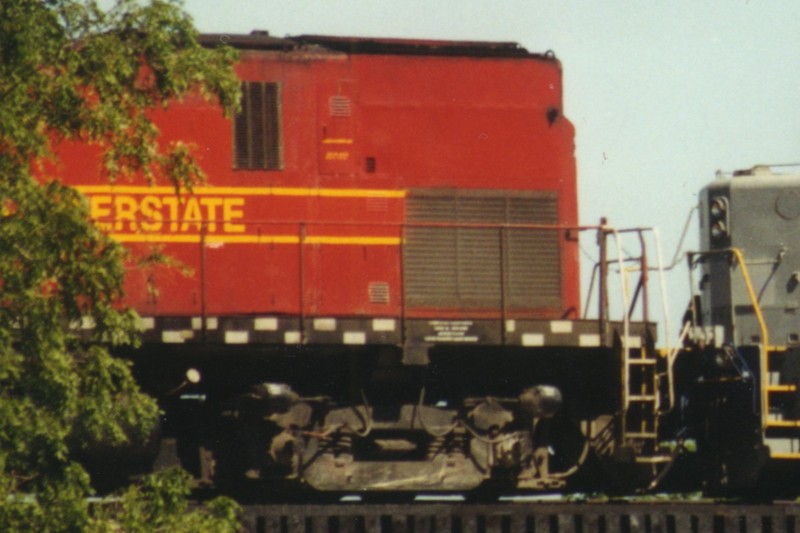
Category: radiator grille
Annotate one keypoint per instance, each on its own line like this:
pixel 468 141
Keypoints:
pixel 482 267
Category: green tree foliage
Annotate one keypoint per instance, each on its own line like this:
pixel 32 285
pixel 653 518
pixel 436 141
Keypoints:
pixel 159 504
pixel 73 72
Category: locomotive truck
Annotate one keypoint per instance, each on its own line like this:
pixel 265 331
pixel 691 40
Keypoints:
pixel 378 287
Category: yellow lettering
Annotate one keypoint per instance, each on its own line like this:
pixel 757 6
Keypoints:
pixel 154 213
pixel 172 203
pixel 211 205
pixel 100 208
pixel 232 209
pixel 192 215
pixel 124 211
pixel 151 210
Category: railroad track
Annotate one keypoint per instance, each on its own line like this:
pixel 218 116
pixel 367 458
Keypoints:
pixel 526 517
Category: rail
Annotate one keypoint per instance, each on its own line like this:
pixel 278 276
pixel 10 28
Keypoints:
pixel 600 269
pixel 520 516
pixel 306 233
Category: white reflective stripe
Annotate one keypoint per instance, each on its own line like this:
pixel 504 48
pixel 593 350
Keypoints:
pixel 561 326
pixel 197 323
pixel 147 322
pixel 354 337
pixel 511 326
pixel 292 337
pixel 589 339
pixel 533 339
pixel 237 337
pixel 384 324
pixel 325 324
pixel 265 323
pixel 173 336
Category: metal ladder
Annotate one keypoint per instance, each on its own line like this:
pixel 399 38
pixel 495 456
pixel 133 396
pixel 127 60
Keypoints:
pixel 641 401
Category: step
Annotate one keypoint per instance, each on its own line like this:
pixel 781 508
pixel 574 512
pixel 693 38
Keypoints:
pixel 641 361
pixel 642 397
pixel 783 423
pixel 640 435
pixel 655 459
pixel 781 388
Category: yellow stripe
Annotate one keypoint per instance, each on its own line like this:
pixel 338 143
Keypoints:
pixel 367 241
pixel 789 455
pixel 337 141
pixel 245 191
pixel 253 239
pixel 257 239
pixel 155 238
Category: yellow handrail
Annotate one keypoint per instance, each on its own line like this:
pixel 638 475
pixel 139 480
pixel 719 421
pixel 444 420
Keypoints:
pixel 764 336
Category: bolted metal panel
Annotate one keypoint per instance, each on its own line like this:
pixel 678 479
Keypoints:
pixel 462 266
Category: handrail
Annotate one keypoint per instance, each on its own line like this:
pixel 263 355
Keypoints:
pixel 672 356
pixel 628 307
pixel 393 232
pixel 764 344
pixel 662 282
pixel 762 359
pixel 625 318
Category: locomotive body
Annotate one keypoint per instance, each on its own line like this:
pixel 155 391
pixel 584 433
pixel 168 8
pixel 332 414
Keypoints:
pixel 742 364
pixel 377 289
pixel 341 146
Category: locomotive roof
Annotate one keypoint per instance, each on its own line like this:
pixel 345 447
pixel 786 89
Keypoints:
pixel 262 40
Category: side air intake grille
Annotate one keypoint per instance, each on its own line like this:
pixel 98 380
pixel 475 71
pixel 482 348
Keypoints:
pixel 462 267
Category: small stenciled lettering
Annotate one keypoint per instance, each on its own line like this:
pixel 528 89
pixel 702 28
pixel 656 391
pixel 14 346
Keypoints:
pixel 451 331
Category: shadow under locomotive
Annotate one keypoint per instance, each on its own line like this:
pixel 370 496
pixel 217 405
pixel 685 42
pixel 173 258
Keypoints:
pixel 342 420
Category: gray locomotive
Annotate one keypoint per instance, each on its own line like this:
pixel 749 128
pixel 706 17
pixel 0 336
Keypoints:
pixel 739 369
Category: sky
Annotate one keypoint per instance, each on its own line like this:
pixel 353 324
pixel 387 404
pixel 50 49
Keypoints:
pixel 662 94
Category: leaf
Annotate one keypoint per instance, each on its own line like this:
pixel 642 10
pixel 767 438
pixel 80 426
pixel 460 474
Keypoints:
pixel 71 71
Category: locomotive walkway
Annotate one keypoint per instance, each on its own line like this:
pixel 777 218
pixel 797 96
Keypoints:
pixel 536 517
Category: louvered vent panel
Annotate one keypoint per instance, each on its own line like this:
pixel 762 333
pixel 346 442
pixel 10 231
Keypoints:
pixel 534 210
pixel 481 210
pixel 478 266
pixel 533 269
pixel 257 128
pixel 430 267
pixel 533 259
pixel 378 292
pixel 461 267
pixel 432 209
pixel 340 106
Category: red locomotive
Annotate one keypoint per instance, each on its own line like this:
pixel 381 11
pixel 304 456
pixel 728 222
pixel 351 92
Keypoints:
pixel 379 282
